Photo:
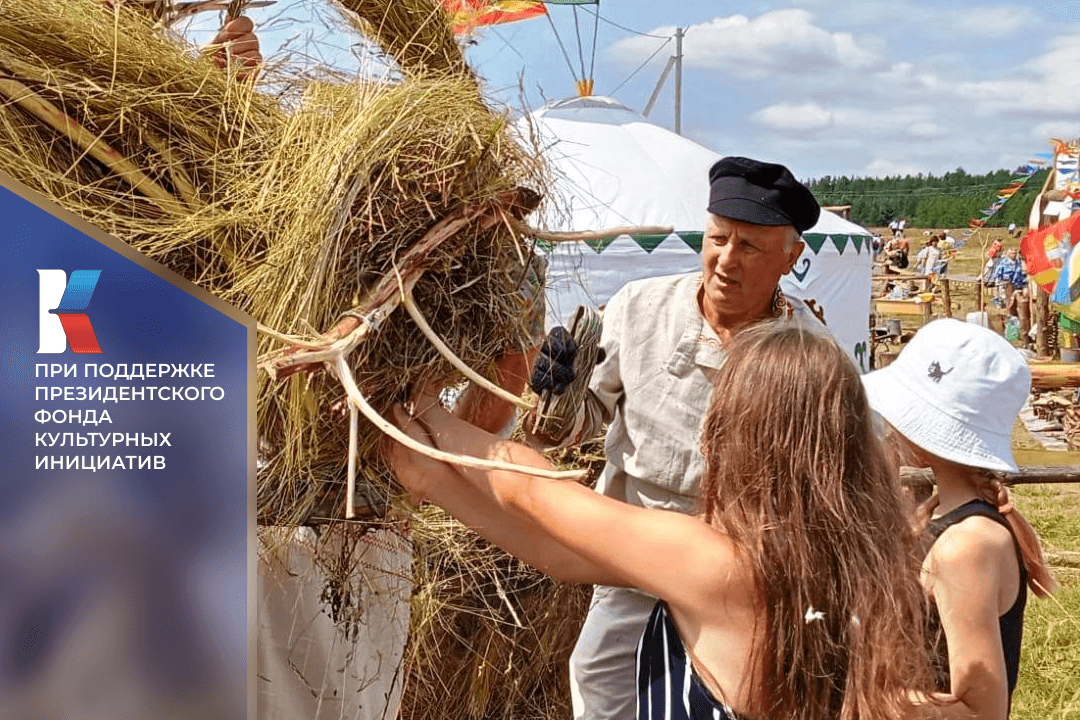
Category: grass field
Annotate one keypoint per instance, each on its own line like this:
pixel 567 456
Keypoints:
pixel 1049 685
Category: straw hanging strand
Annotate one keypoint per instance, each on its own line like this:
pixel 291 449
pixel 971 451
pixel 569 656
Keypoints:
pixel 97 148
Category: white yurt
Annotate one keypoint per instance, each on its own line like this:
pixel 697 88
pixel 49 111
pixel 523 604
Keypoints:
pixel 613 168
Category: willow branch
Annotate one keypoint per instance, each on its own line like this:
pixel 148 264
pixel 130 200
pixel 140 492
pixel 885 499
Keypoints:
pixel 444 350
pixel 350 488
pixel 93 145
pixel 344 374
pixel 579 235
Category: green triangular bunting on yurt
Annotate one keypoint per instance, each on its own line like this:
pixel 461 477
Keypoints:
pixel 840 241
pixel 857 241
pixel 599 245
pixel 692 239
pixel 815 241
pixel 649 241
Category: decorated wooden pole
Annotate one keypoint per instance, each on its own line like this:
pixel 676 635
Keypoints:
pixel 1042 314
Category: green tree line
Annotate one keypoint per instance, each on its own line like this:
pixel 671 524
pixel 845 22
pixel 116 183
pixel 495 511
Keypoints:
pixel 928 201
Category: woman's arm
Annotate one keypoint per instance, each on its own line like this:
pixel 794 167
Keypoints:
pixel 673 556
pixel 487 411
pixel 441 483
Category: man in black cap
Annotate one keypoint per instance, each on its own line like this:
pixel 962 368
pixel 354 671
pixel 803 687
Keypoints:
pixel 662 339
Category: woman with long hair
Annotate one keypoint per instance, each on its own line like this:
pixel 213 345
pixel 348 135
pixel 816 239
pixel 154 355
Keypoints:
pixel 793 594
pixel 951 398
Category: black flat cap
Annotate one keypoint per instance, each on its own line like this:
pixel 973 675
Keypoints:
pixel 761 193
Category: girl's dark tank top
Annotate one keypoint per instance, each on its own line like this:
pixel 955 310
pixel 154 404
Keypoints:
pixel 1011 623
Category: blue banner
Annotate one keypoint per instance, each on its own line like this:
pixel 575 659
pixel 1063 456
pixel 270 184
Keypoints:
pixel 127 477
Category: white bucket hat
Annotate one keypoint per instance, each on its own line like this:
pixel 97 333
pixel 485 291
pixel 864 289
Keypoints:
pixel 955 390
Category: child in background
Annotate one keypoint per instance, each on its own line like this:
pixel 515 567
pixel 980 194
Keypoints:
pixel 951 398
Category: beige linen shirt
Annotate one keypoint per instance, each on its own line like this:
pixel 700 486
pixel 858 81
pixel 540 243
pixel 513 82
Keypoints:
pixel 653 387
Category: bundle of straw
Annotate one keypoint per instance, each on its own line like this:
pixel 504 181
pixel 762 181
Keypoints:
pixel 294 215
pixel 117 123
pixel 490 637
pixel 303 214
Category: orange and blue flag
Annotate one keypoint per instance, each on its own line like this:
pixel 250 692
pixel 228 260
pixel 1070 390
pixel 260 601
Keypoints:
pixel 1066 296
pixel 1046 251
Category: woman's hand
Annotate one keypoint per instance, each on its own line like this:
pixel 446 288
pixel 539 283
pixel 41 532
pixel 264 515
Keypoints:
pixel 415 471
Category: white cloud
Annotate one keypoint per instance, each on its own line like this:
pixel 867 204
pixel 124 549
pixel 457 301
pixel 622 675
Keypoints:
pixel 1046 85
pixel 914 86
pixel 1061 59
pixel 796 118
pixel 1000 21
pixel 882 167
pixel 1064 129
pixel 780 41
pixel 807 118
pixel 934 18
pixel 899 72
pixel 925 130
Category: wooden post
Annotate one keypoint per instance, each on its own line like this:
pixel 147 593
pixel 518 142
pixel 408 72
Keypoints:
pixel 1023 311
pixel 922 481
pixel 1042 317
pixel 927 311
pixel 979 295
pixel 946 297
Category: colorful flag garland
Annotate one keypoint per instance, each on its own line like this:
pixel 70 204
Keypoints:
pixel 1020 178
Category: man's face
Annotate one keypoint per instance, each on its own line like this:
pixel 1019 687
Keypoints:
pixel 742 264
pixel 1011 253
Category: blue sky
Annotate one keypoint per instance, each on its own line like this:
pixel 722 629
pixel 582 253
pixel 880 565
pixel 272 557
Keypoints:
pixel 827 87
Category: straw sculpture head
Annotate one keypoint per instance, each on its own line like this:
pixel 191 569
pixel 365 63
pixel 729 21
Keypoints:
pixel 294 214
pixel 318 204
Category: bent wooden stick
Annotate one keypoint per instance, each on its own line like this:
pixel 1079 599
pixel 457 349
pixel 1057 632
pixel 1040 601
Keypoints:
pixel 418 318
pixel 92 145
pixel 350 489
pixel 576 235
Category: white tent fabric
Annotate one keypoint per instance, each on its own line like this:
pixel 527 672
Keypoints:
pixel 614 168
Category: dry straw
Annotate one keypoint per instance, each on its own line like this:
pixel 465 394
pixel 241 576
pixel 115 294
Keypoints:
pixel 313 216
pixel 295 216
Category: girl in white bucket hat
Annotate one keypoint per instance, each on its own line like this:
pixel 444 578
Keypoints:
pixel 951 398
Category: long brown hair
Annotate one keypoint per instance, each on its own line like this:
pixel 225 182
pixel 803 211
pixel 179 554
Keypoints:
pixel 797 477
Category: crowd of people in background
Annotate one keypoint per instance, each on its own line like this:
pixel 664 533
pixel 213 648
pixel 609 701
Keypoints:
pixel 1004 270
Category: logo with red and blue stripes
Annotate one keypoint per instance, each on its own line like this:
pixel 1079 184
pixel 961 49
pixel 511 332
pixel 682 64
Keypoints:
pixel 60 302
